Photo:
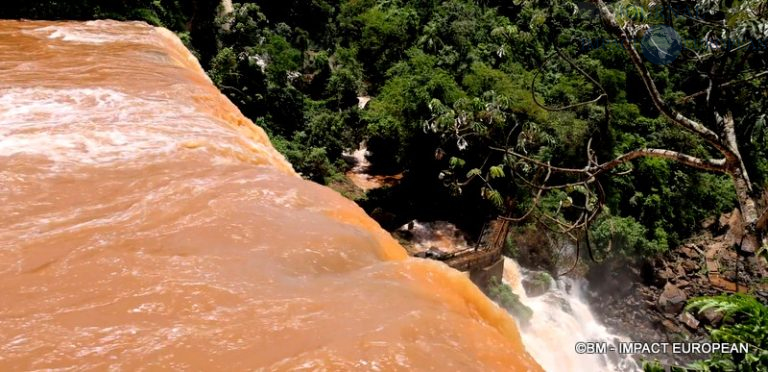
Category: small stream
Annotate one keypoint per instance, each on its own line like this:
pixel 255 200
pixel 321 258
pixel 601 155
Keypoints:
pixel 360 172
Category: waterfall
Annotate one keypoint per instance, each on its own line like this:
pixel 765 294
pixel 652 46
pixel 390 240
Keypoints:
pixel 145 223
pixel 561 318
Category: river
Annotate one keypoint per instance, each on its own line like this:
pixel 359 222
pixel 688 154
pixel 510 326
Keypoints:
pixel 146 224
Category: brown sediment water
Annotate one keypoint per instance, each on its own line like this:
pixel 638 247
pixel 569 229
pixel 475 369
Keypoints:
pixel 145 223
pixel 359 173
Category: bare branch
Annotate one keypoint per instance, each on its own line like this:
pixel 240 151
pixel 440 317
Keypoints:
pixel 675 116
pixel 580 70
pixel 533 205
pixel 717 165
pixel 539 163
pixel 732 82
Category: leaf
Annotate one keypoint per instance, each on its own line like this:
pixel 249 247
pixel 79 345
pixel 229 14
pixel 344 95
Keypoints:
pixel 473 173
pixel 456 162
pixel 567 202
pixel 461 143
pixel 581 189
pixel 496 171
pixel 495 197
pixel 435 106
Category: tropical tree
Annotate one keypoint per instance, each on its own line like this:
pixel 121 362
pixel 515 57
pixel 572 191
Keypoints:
pixel 722 120
pixel 746 22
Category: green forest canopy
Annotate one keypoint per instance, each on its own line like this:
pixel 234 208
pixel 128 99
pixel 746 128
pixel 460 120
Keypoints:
pixel 476 101
pixel 451 80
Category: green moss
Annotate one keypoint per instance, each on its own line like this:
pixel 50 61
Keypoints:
pixel 502 294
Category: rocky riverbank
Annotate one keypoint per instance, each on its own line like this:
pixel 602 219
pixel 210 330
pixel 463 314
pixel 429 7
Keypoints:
pixel 646 298
pixel 642 299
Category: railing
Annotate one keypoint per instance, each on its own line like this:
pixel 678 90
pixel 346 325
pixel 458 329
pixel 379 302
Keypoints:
pixel 487 250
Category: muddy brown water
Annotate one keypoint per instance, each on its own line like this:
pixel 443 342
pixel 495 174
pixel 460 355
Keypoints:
pixel 145 224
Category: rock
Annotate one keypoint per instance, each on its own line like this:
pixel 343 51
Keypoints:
pixel 724 222
pixel 682 283
pixel 679 270
pixel 672 299
pixel 708 223
pixel 689 266
pixel 433 253
pixel 666 274
pixel 688 319
pixel 568 287
pixel 755 264
pixel 670 326
pixel 537 284
pixel 689 251
pixel 685 251
pixel 562 303
pixel 748 246
pixel 729 275
pixel 735 228
pixel 711 317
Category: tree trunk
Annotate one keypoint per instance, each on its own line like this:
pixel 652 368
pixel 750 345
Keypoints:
pixel 725 142
pixel 741 183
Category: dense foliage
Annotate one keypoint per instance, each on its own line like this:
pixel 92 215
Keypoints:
pixel 454 81
pixel 745 321
pixel 449 79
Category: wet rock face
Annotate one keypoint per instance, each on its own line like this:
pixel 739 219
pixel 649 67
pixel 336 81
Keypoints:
pixel 537 284
pixel 533 249
pixel 672 299
pixel 431 239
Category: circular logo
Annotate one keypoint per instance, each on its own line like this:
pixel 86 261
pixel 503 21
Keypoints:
pixel 661 44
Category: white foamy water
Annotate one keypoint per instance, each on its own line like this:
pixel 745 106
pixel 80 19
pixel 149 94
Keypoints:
pixel 91 32
pixel 97 120
pixel 441 235
pixel 561 318
pixel 145 223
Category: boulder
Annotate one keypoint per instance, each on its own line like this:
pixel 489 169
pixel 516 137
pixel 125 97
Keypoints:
pixel 724 222
pixel 672 299
pixel 689 250
pixel 729 275
pixel 665 275
pixel 690 266
pixel 679 269
pixel 711 317
pixel 564 305
pixel 748 246
pixel 537 284
pixel 688 319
